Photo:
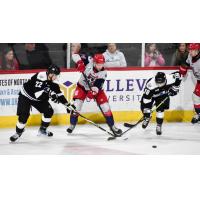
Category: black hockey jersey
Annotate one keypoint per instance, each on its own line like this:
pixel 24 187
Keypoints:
pixel 38 88
pixel 152 91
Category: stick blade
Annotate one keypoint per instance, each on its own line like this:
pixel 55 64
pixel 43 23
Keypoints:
pixel 129 125
pixel 111 138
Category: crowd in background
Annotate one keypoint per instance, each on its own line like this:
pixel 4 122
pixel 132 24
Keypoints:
pixel 22 56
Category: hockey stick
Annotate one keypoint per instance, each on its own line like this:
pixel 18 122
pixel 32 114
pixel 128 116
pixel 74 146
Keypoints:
pixel 95 99
pixel 128 125
pixel 91 122
pixel 86 119
pixel 140 120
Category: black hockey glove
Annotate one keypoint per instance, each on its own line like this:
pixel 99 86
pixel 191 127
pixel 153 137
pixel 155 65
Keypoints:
pixel 172 92
pixel 54 97
pixel 70 107
pixel 47 90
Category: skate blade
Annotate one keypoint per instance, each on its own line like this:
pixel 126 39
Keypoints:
pixel 41 135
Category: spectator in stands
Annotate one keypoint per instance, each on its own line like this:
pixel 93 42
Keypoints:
pixel 114 57
pixel 8 60
pixel 152 56
pixel 180 56
pixel 38 56
pixel 76 49
pixel 32 56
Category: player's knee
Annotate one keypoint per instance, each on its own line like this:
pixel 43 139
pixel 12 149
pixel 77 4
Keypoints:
pixel 23 118
pixel 49 113
pixel 160 115
pixel 101 98
pixel 160 110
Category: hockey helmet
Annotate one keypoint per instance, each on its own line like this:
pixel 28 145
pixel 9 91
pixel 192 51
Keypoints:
pixel 194 46
pixel 99 59
pixel 160 79
pixel 53 69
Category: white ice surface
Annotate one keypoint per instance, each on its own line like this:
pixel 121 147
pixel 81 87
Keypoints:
pixel 177 138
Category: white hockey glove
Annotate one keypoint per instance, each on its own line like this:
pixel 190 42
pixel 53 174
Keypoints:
pixel 197 75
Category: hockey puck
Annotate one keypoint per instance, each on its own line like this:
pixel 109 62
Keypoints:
pixel 111 138
pixel 154 146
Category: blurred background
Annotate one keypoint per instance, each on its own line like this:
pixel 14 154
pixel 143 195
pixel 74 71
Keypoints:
pixel 22 56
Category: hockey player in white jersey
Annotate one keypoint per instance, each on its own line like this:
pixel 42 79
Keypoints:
pixel 96 75
pixel 156 90
pixel 193 61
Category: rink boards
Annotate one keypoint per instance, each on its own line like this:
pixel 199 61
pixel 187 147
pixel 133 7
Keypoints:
pixel 124 88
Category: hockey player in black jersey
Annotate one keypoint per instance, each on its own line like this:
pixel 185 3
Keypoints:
pixel 156 90
pixel 37 92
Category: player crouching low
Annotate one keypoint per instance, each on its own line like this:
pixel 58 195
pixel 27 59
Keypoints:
pixel 157 89
pixel 37 92
pixel 96 75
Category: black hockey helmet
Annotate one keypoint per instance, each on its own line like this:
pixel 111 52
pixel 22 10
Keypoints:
pixel 53 69
pixel 160 79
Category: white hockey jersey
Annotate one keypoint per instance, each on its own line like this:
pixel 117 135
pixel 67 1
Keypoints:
pixel 195 66
pixel 93 77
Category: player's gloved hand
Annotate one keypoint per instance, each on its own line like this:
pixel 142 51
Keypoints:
pixel 92 93
pixel 47 90
pixel 80 66
pixel 70 107
pixel 54 97
pixel 197 75
pixel 183 70
pixel 172 92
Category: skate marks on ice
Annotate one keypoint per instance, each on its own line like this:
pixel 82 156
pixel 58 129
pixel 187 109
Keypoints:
pixel 177 138
pixel 86 140
pixel 81 149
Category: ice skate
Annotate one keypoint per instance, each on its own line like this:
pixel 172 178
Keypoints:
pixel 71 128
pixel 116 131
pixel 159 129
pixel 15 137
pixel 145 123
pixel 195 119
pixel 43 131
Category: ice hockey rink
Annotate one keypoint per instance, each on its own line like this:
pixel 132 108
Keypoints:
pixel 177 138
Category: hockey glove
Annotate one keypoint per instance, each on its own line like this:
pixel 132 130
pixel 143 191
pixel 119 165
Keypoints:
pixel 47 90
pixel 54 97
pixel 172 91
pixel 92 93
pixel 80 66
pixel 197 75
pixel 183 70
pixel 70 107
